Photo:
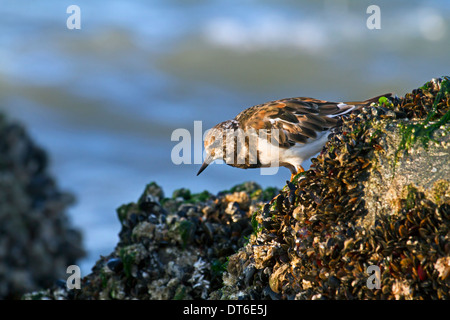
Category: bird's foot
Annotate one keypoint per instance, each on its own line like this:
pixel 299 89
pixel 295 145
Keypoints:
pixel 299 170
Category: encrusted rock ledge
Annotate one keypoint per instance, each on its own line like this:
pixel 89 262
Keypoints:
pixel 377 196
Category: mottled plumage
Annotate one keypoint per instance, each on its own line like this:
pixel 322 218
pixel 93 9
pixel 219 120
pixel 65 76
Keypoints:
pixel 303 126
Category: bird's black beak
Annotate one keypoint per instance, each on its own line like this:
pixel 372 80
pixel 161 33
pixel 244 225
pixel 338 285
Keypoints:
pixel 206 163
pixel 203 167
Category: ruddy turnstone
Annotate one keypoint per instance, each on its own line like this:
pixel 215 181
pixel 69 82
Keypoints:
pixel 283 132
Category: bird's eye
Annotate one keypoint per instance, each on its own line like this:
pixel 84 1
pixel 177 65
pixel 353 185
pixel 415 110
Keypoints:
pixel 215 143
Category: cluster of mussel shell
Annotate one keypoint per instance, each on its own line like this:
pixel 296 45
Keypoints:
pixel 312 242
pixel 173 248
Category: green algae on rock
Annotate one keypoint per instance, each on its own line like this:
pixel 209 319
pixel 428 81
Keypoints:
pixel 434 94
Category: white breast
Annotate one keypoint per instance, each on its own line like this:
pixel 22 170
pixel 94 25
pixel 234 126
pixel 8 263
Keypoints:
pixel 271 155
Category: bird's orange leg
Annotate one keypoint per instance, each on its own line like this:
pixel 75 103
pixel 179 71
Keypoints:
pixel 299 170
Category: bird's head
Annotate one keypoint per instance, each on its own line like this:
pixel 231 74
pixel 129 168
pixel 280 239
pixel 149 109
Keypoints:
pixel 215 141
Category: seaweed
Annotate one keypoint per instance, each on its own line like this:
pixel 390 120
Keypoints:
pixel 423 131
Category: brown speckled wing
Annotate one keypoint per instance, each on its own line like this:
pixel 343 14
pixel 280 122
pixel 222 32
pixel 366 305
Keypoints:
pixel 297 119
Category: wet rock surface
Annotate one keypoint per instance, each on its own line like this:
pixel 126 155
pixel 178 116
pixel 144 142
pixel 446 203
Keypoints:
pixel 378 196
pixel 37 242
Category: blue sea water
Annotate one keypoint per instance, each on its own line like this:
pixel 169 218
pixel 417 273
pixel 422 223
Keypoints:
pixel 105 99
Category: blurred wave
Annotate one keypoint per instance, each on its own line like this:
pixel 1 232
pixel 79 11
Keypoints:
pixel 105 99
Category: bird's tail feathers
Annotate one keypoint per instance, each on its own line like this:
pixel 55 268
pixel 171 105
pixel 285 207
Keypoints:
pixel 367 102
pixel 348 107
